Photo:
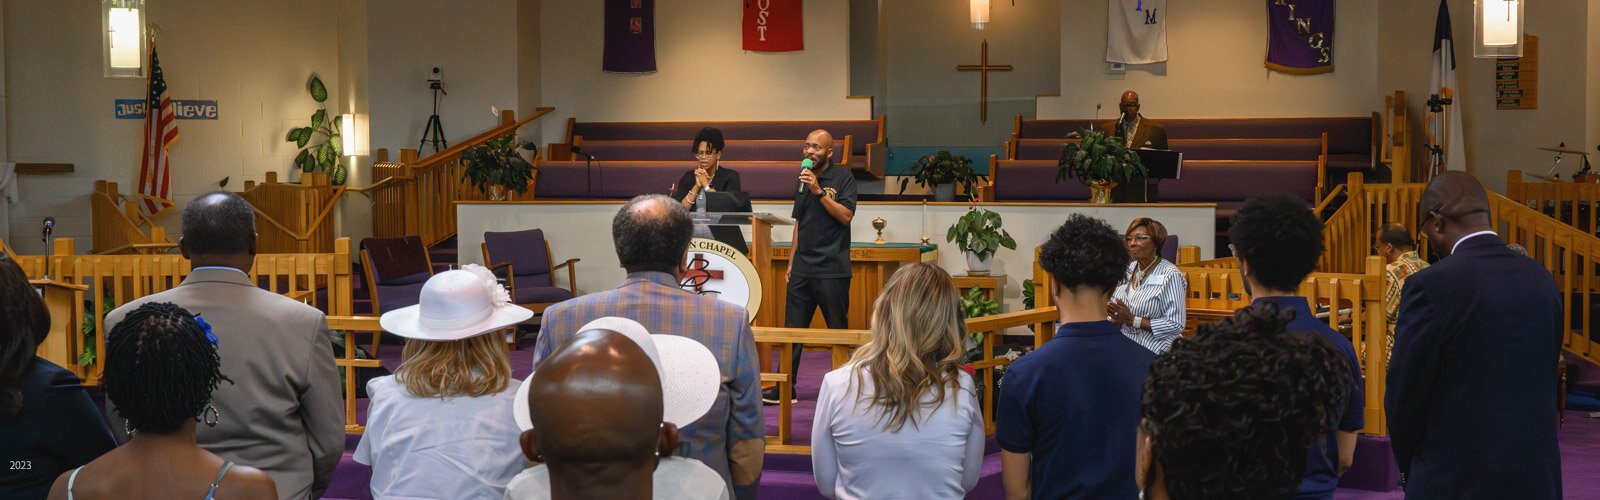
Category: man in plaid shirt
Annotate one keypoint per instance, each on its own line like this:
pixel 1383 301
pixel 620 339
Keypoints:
pixel 652 234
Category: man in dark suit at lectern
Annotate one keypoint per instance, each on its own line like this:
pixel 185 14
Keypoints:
pixel 1472 386
pixel 1133 128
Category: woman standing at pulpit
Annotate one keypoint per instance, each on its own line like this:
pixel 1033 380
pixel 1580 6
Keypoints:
pixel 708 176
pixel 1149 306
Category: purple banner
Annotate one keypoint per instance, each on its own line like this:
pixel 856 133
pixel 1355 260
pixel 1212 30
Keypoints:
pixel 1300 36
pixel 630 37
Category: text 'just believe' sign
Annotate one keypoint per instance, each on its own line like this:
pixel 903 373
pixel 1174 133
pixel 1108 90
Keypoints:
pixel 133 109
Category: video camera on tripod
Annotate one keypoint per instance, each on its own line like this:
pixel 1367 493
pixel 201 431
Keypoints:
pixel 434 132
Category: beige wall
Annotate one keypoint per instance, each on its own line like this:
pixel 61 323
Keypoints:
pixel 1592 113
pixel 702 73
pixel 1496 140
pixel 252 58
pixel 932 104
pixel 355 213
pixel 1216 49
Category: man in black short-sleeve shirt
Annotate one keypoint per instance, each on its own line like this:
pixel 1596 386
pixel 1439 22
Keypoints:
pixel 819 264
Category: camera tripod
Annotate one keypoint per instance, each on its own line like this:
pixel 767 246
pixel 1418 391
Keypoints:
pixel 434 131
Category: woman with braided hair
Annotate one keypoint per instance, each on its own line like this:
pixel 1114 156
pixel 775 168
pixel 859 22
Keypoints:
pixel 1232 412
pixel 47 422
pixel 161 368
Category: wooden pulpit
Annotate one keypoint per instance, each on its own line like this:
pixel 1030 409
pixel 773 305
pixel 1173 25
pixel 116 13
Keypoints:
pixel 65 341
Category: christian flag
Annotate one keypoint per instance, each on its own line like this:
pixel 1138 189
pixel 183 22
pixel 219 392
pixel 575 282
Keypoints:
pixel 155 173
pixel 1444 77
pixel 1137 32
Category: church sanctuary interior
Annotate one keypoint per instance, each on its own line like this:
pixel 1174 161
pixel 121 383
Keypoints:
pixel 384 143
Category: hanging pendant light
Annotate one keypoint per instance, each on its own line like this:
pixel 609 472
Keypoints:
pixel 1498 28
pixel 980 13
pixel 124 37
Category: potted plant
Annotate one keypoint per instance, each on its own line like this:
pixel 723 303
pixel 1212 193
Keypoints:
pixel 321 156
pixel 978 233
pixel 942 171
pixel 1100 162
pixel 497 166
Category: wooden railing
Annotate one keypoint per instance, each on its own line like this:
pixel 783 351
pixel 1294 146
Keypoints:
pixel 1570 254
pixel 1348 233
pixel 121 227
pixel 114 280
pixel 844 342
pixel 418 196
pixel 1395 149
pixel 294 218
pixel 1571 203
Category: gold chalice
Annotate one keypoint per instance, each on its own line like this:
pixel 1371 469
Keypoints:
pixel 879 224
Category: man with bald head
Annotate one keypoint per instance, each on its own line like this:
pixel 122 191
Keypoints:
pixel 819 263
pixel 622 452
pixel 282 411
pixel 651 234
pixel 1133 127
pixel 1471 398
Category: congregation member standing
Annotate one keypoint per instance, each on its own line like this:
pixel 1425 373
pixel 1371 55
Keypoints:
pixel 1206 432
pixel 1393 242
pixel 48 424
pixel 441 426
pixel 819 261
pixel 1472 391
pixel 283 412
pixel 1277 240
pixel 162 373
pixel 651 234
pixel 1149 305
pixel 902 419
pixel 1067 411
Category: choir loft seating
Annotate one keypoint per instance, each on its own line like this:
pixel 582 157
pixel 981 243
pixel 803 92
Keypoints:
pixel 859 144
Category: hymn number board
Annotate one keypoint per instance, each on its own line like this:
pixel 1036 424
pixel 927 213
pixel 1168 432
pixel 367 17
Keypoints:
pixel 1516 79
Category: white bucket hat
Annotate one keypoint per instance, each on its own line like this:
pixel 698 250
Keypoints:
pixel 455 305
pixel 689 372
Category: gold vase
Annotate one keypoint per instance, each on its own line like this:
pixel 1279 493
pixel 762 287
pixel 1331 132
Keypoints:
pixel 497 192
pixel 1100 192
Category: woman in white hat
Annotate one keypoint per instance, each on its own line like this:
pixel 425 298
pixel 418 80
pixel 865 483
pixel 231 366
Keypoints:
pixel 441 426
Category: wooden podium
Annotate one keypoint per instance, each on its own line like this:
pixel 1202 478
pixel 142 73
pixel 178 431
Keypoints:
pixel 65 341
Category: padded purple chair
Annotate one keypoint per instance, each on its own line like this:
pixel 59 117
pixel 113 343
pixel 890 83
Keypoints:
pixel 523 257
pixel 396 269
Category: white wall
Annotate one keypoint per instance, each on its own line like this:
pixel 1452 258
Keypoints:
pixel 473 41
pixel 1216 49
pixel 1496 140
pixel 702 72
pixel 355 212
pixel 252 58
pixel 1592 108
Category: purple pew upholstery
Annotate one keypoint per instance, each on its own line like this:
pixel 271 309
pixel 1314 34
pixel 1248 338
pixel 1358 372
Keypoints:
pixel 1197 149
pixel 747 150
pixel 865 152
pixel 1352 141
pixel 620 180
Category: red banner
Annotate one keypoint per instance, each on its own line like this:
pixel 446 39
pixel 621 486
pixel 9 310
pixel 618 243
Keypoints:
pixel 773 26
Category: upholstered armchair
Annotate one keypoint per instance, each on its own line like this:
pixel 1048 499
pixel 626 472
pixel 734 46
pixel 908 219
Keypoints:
pixel 523 258
pixel 396 269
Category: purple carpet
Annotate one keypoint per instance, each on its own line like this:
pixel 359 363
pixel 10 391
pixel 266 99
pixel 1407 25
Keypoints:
pixel 789 476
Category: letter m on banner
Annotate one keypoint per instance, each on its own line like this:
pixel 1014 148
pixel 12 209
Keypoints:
pixel 773 26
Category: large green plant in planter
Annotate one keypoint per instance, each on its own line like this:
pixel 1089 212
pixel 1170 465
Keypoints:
pixel 323 156
pixel 1101 162
pixel 495 166
pixel 942 169
pixel 979 234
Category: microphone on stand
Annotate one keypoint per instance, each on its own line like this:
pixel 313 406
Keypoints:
pixel 805 164
pixel 588 167
pixel 49 227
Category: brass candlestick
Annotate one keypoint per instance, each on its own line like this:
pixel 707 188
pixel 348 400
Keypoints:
pixel 879 224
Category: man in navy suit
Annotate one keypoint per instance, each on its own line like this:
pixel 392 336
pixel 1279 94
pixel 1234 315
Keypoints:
pixel 1472 386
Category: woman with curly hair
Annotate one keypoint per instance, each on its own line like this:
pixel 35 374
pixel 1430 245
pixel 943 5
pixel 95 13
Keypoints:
pixel 1232 413
pixel 161 370
pixel 442 426
pixel 1067 410
pixel 47 422
pixel 902 418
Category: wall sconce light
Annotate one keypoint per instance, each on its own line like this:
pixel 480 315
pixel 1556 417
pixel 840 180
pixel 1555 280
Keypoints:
pixel 124 37
pixel 980 13
pixel 348 135
pixel 1499 28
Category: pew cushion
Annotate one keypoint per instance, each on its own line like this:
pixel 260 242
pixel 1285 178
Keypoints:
pixel 626 179
pixel 863 131
pixel 681 150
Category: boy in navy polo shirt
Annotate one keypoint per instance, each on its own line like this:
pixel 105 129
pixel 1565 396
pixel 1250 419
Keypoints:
pixel 1278 240
pixel 1068 410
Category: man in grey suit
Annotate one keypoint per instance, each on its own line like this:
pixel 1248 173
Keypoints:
pixel 282 413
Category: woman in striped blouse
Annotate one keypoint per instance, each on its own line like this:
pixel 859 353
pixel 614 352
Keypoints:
pixel 1149 303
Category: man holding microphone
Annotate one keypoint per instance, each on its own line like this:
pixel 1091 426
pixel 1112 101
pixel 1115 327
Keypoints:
pixel 819 264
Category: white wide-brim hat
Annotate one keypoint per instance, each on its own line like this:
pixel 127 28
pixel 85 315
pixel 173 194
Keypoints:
pixel 690 375
pixel 455 305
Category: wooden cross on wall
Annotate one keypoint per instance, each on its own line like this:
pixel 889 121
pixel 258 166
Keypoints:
pixel 983 68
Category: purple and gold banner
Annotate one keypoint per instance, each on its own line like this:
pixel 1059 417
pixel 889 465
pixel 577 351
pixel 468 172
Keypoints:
pixel 1300 36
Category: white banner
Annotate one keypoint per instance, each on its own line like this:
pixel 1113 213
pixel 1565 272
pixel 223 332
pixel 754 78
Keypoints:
pixel 1136 31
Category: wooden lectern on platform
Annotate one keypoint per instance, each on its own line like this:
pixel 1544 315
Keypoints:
pixel 65 341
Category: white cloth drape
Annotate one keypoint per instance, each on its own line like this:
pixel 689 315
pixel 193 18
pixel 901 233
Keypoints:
pixel 1136 31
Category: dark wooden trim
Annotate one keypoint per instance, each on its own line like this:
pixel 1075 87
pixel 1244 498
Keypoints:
pixel 44 168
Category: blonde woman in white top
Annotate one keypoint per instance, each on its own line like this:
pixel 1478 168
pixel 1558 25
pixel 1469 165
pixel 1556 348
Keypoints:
pixel 901 420
pixel 1149 304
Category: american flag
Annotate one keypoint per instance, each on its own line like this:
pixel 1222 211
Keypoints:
pixel 155 174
